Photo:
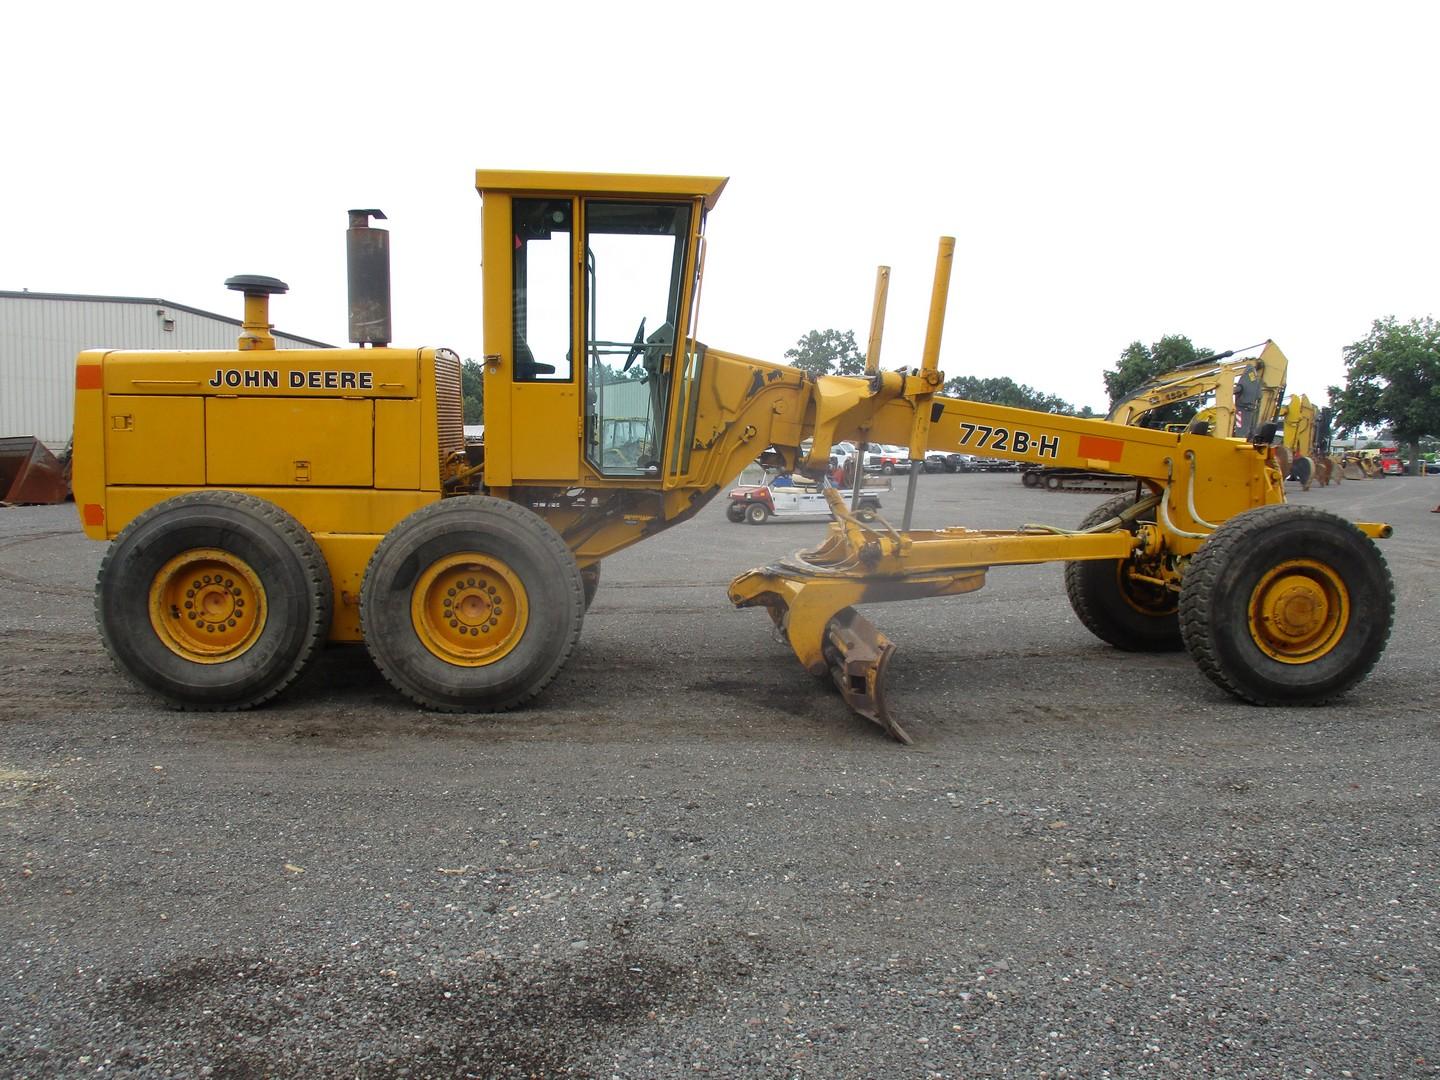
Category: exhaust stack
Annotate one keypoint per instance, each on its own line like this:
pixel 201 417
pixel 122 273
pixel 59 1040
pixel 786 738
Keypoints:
pixel 255 330
pixel 367 259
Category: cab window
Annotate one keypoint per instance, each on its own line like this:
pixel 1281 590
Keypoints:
pixel 634 265
pixel 543 242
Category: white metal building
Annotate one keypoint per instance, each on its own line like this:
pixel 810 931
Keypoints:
pixel 40 333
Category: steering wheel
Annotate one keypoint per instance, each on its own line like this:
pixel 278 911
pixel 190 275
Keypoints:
pixel 637 348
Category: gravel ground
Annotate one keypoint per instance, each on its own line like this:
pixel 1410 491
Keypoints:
pixel 689 858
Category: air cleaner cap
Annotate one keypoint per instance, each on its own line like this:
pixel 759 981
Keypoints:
pixel 256 283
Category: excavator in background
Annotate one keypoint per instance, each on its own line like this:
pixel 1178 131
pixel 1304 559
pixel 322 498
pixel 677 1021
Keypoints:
pixel 1247 391
pixel 258 502
pixel 1302 444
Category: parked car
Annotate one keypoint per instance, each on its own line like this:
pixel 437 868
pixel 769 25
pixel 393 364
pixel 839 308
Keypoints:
pixel 782 497
pixel 985 464
pixel 887 459
pixel 945 461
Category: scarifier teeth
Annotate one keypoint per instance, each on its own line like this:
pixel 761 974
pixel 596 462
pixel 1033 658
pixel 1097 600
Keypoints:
pixel 858 655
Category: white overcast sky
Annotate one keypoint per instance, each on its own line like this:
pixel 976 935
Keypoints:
pixel 1111 171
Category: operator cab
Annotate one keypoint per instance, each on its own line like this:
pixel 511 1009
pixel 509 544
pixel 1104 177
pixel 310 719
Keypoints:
pixel 590 286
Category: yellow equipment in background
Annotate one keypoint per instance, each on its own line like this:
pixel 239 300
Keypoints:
pixel 1296 451
pixel 1361 465
pixel 1244 394
pixel 260 501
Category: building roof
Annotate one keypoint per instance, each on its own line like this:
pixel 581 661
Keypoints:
pixel 152 301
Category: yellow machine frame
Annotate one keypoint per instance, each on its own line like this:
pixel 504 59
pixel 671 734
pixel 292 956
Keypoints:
pixel 356 443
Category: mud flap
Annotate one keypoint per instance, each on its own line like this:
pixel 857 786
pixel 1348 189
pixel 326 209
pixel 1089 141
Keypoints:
pixel 858 655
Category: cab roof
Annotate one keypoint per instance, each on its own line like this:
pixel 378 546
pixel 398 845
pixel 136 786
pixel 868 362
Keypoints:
pixel 509 180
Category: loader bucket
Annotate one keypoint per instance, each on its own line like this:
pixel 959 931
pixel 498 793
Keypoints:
pixel 29 473
pixel 1352 470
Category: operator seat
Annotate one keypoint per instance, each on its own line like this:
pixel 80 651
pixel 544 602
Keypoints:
pixel 526 366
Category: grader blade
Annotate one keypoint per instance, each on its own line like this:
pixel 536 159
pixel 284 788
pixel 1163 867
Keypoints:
pixel 858 655
pixel 811 596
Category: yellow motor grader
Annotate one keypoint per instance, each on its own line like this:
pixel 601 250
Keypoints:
pixel 259 502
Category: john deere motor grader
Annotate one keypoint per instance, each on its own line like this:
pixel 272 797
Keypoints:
pixel 261 501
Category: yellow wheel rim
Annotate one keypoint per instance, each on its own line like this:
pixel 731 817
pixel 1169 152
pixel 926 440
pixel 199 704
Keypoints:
pixel 1299 611
pixel 469 609
pixel 207 605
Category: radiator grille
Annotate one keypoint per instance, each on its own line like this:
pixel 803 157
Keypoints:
pixel 449 406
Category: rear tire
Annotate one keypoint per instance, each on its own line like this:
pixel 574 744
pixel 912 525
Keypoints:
pixel 1131 615
pixel 213 600
pixel 756 514
pixel 1287 605
pixel 471 604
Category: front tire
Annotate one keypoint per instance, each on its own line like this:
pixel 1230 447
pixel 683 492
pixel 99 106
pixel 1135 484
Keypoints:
pixel 1129 614
pixel 471 604
pixel 1287 605
pixel 735 512
pixel 213 600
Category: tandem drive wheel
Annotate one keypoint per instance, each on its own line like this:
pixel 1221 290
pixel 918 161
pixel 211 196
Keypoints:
pixel 1287 604
pixel 213 600
pixel 471 604
pixel 1130 614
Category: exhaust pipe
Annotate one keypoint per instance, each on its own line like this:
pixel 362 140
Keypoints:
pixel 367 259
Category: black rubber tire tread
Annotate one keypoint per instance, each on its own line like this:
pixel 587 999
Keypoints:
pixel 298 589
pixel 1215 596
pixel 590 579
pixel 867 513
pixel 735 512
pixel 756 514
pixel 1094 592
pixel 1030 478
pixel 529 547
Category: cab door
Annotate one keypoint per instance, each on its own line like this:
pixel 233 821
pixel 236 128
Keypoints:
pixel 532 388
